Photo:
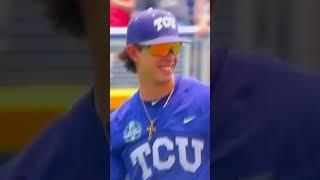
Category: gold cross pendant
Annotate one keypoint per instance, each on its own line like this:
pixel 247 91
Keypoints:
pixel 151 129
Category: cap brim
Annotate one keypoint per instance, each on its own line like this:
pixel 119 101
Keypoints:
pixel 165 39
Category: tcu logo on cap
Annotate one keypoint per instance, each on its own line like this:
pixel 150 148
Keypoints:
pixel 164 22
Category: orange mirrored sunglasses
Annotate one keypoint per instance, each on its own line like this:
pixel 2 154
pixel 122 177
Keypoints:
pixel 164 49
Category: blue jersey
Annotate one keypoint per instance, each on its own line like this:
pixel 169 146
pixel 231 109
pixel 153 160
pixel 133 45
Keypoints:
pixel 73 147
pixel 266 119
pixel 180 146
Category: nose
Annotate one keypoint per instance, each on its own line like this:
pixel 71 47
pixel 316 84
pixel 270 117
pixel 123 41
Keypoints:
pixel 171 54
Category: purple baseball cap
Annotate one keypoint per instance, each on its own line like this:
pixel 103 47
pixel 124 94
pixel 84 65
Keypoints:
pixel 153 26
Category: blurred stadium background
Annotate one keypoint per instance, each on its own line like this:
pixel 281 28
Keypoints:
pixel 41 73
pixel 288 29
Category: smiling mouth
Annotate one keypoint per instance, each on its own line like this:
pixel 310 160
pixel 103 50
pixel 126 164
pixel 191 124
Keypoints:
pixel 167 68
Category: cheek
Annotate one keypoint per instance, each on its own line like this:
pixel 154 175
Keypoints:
pixel 156 62
pixel 176 61
pixel 153 65
pixel 151 61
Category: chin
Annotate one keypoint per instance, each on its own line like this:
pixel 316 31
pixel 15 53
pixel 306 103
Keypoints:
pixel 166 79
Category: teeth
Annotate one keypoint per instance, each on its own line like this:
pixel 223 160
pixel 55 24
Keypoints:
pixel 167 68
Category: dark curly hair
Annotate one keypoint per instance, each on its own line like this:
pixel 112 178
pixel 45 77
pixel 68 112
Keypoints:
pixel 127 61
pixel 65 15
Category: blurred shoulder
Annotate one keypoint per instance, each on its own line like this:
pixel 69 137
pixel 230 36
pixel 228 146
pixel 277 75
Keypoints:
pixel 78 134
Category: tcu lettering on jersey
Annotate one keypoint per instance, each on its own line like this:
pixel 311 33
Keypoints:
pixel 164 22
pixel 139 155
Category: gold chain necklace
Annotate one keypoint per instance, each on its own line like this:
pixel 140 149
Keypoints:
pixel 152 129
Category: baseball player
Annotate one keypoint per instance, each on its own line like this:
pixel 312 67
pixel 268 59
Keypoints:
pixel 162 131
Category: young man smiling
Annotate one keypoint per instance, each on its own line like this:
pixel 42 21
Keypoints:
pixel 162 131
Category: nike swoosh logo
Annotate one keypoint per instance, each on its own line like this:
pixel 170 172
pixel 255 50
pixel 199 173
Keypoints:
pixel 154 102
pixel 188 119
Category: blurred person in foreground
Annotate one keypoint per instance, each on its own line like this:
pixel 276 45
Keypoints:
pixel 74 146
pixel 266 119
pixel 162 131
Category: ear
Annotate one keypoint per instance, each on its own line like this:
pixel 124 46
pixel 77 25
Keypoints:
pixel 133 52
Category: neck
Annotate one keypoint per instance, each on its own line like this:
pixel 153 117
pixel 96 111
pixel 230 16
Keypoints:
pixel 153 91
